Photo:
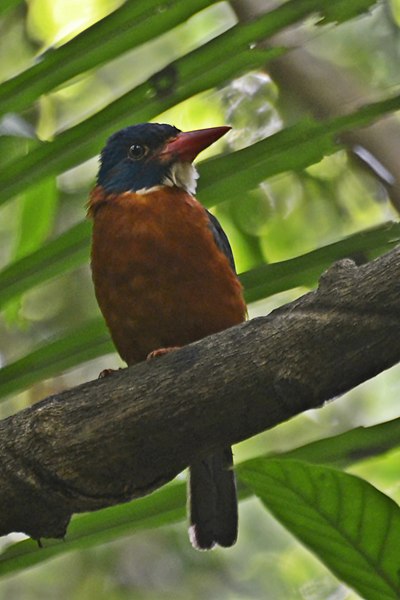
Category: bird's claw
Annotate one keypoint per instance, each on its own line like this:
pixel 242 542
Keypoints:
pixel 161 352
pixel 107 373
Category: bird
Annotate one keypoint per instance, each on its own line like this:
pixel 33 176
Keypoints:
pixel 164 276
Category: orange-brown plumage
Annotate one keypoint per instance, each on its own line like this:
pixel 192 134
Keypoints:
pixel 160 278
pixel 164 277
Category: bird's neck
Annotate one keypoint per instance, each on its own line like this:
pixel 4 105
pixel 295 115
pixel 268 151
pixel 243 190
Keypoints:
pixel 182 175
pixel 99 197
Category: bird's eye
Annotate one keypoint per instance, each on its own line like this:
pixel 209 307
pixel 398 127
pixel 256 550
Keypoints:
pixel 136 151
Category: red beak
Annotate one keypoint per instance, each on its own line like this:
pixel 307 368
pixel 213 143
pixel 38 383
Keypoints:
pixel 188 144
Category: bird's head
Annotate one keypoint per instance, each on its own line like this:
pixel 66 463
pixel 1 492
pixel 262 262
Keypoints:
pixel 142 156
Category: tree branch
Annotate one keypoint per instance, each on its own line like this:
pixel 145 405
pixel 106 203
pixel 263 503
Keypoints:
pixel 116 438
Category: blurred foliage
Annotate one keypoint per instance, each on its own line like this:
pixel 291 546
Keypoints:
pixel 73 74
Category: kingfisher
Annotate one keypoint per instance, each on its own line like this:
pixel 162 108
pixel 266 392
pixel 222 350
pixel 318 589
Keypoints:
pixel 164 276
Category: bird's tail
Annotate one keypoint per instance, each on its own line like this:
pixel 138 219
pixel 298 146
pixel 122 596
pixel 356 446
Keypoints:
pixel 212 501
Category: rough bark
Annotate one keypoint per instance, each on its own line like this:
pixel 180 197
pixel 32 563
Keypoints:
pixel 116 438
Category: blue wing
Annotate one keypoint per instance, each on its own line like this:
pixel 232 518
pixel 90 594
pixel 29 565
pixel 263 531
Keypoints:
pixel 221 239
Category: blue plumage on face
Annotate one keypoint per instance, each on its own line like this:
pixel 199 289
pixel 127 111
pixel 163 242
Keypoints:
pixel 131 159
pixel 143 156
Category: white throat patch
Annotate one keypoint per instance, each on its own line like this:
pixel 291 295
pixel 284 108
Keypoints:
pixel 184 175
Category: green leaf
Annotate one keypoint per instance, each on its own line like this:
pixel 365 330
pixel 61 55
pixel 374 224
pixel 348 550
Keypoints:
pixel 344 10
pixel 66 252
pixel 293 148
pixel 37 208
pixel 133 24
pixel 83 343
pixel 82 141
pixel 349 447
pixel 8 4
pixel 352 527
pixel 305 270
pixel 163 507
pixel 192 74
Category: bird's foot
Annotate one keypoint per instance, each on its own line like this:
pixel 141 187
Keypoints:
pixel 107 373
pixel 161 352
